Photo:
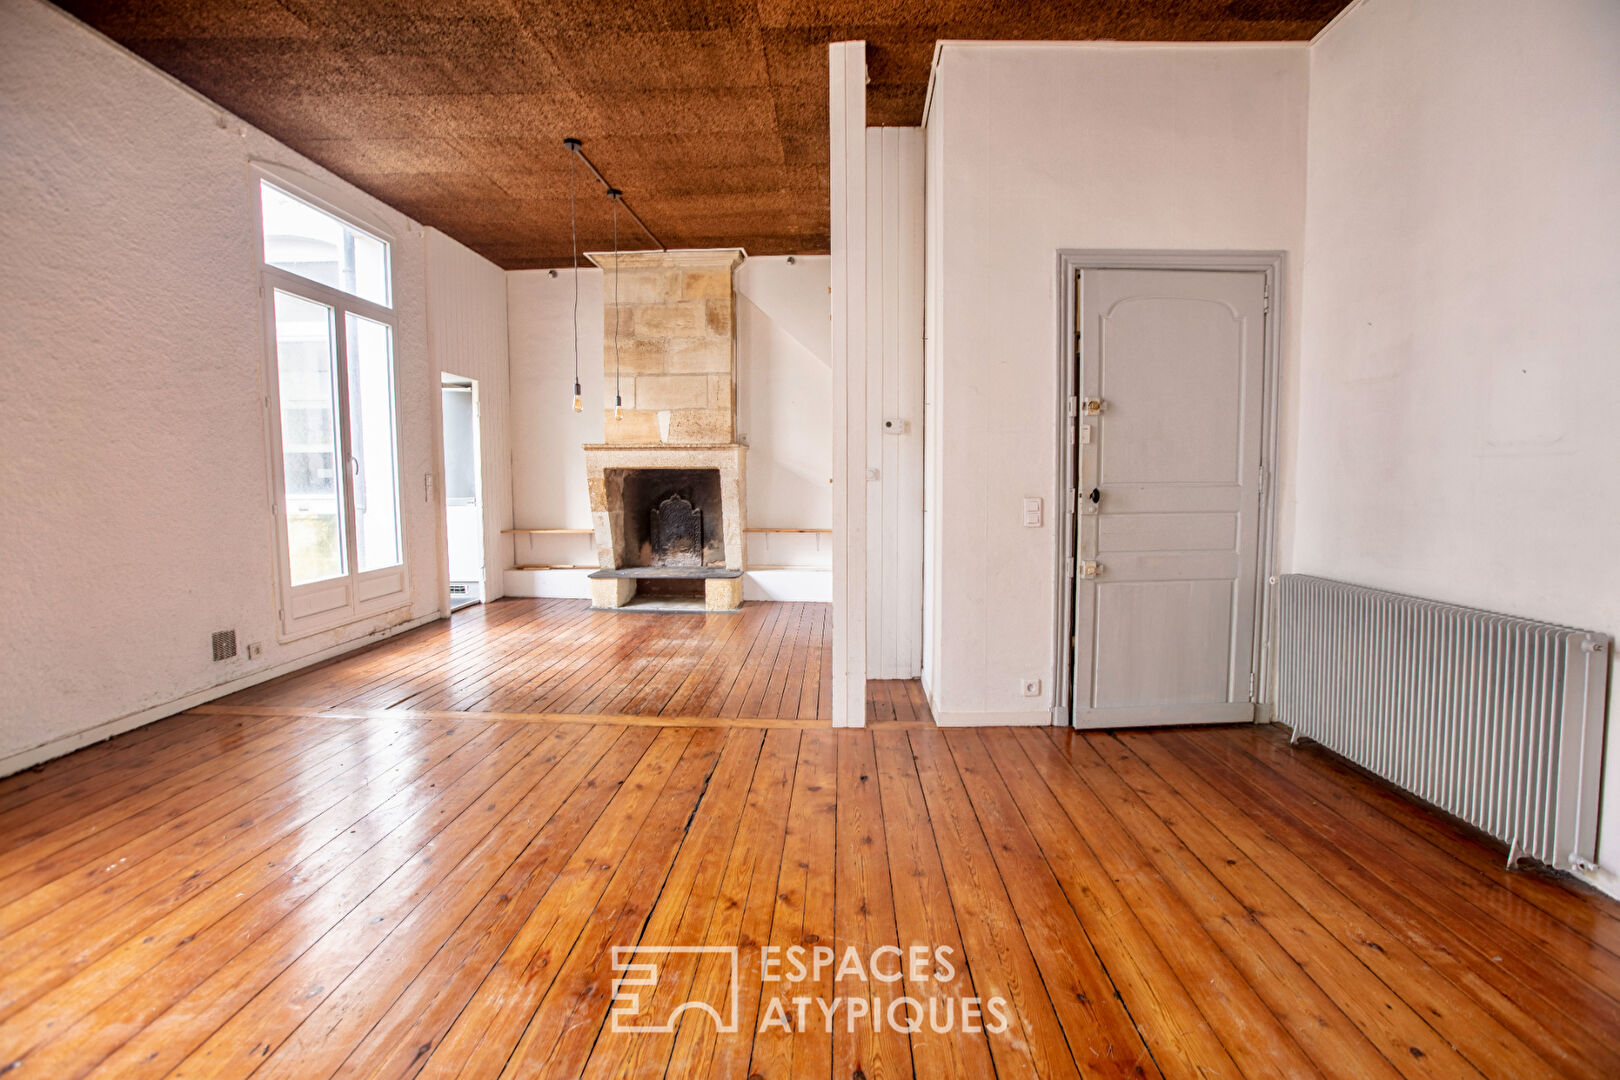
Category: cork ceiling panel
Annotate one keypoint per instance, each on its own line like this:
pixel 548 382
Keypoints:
pixel 711 115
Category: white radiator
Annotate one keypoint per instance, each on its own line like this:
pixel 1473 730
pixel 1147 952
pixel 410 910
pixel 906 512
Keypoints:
pixel 1495 719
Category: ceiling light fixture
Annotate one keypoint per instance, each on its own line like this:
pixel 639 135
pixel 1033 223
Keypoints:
pixel 575 147
pixel 573 229
pixel 618 402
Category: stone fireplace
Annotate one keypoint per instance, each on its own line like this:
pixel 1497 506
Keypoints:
pixel 667 485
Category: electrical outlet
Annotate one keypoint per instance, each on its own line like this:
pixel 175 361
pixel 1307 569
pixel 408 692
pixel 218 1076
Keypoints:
pixel 1031 687
pixel 255 650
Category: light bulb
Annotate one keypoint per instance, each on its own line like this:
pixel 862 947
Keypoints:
pixel 618 409
pixel 579 406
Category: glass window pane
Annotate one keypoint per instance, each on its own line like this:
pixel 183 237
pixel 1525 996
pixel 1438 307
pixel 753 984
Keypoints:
pixel 371 434
pixel 313 244
pixel 306 362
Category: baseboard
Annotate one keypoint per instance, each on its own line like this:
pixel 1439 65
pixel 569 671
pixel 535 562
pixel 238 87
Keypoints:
pixel 811 585
pixel 551 584
pixel 1032 718
pixel 78 740
pixel 789 584
pixel 1601 878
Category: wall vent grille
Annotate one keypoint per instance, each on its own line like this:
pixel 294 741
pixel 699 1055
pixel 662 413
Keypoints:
pixel 224 642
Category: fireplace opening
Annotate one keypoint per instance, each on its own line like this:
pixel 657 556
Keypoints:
pixel 671 517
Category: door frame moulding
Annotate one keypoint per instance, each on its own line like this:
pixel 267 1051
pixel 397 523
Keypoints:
pixel 1071 262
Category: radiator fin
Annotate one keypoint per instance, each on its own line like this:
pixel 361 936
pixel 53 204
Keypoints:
pixel 1498 720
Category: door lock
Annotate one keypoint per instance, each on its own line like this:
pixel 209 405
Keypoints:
pixel 1090 569
pixel 1091 406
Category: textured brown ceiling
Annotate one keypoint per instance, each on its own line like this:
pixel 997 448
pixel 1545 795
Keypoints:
pixel 710 114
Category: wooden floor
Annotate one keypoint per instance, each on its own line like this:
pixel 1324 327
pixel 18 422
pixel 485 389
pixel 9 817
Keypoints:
pixel 276 891
pixel 771 661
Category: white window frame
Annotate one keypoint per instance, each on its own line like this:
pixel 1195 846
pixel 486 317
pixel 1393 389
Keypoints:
pixel 317 606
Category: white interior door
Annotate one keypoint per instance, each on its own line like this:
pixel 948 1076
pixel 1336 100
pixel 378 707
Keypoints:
pixel 1172 389
pixel 464 513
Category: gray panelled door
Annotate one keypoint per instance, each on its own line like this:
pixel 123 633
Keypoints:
pixel 1171 386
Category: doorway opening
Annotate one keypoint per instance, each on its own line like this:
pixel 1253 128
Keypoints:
pixel 463 490
pixel 1167 438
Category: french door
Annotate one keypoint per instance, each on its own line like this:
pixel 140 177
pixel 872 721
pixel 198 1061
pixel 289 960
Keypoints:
pixel 333 412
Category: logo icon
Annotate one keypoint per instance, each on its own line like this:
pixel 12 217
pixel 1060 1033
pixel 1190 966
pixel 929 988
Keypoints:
pixel 626 1015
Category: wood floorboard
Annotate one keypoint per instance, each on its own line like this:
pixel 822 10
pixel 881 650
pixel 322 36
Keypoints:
pixel 1432 1015
pixel 802 918
pixel 923 909
pixel 148 819
pixel 1144 942
pixel 558 657
pixel 1341 781
pixel 1456 891
pixel 1536 1011
pixel 1299 1005
pixel 1103 1036
pixel 993 944
pixel 416 861
pixel 863 912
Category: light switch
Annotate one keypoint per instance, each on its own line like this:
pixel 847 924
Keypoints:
pixel 1032 513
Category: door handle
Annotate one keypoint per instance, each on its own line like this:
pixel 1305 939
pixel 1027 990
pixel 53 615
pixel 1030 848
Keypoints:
pixel 1095 496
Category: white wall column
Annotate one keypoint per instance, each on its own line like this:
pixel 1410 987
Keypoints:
pixel 467 336
pixel 894 398
pixel 847 112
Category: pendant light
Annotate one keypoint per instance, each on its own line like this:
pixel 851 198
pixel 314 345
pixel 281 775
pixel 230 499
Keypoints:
pixel 618 400
pixel 617 197
pixel 573 229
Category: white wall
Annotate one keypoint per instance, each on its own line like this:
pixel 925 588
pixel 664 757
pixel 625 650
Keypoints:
pixel 894 401
pixel 1033 149
pixel 548 464
pixel 466 296
pixel 935 243
pixel 784 390
pixel 784 406
pixel 134 454
pixel 1459 370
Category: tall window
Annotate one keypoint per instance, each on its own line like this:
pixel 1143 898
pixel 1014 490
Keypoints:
pixel 330 306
